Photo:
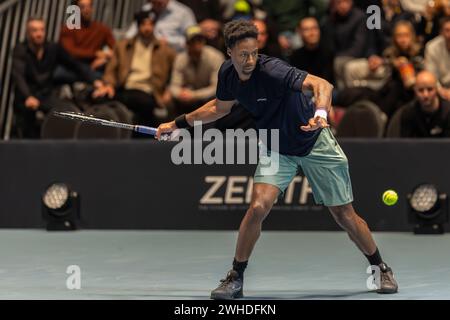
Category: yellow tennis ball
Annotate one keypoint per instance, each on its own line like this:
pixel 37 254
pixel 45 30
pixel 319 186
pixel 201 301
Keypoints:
pixel 242 6
pixel 390 197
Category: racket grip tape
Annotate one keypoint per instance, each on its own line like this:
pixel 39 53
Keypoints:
pixel 146 130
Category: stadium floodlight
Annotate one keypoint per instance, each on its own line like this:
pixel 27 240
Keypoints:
pixel 428 209
pixel 60 207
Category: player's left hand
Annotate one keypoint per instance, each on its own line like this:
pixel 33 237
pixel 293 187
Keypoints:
pixel 315 123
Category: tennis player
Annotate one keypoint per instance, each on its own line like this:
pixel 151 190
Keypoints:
pixel 272 91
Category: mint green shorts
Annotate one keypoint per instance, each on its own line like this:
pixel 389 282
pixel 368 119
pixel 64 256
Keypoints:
pixel 325 167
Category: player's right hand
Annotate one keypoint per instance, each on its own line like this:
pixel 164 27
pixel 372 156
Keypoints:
pixel 167 127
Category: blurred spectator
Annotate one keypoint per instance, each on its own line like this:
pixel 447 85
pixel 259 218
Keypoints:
pixel 209 14
pixel 437 58
pixel 404 49
pixel 265 43
pixel 287 13
pixel 405 58
pixel 371 71
pixel 173 19
pixel 86 44
pixel 212 31
pixel 429 26
pixel 34 64
pixel 392 13
pixel 345 29
pixel 428 116
pixel 194 75
pixel 139 72
pixel 315 56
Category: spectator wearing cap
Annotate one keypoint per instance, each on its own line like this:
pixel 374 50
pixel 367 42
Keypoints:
pixel 194 76
pixel 173 19
pixel 139 71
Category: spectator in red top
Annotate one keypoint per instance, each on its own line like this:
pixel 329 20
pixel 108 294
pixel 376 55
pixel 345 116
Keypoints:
pixel 87 44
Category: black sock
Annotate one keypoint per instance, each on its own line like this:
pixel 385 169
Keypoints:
pixel 239 267
pixel 375 259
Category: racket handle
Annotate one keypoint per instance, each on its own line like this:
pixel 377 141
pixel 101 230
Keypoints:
pixel 146 130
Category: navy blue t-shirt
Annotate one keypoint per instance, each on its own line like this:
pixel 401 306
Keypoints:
pixel 273 96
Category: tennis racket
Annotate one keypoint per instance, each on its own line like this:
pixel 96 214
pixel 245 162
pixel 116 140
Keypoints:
pixel 110 123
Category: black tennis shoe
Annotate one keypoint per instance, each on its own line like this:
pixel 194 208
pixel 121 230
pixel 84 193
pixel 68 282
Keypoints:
pixel 230 288
pixel 387 281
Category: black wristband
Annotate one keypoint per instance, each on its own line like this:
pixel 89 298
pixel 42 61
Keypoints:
pixel 181 122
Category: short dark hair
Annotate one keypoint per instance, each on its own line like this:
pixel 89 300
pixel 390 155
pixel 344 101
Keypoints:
pixel 237 30
pixel 443 21
pixel 143 15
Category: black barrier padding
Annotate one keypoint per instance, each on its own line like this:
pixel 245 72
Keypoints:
pixel 134 185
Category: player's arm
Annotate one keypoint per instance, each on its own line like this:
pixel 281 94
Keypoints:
pixel 209 112
pixel 322 90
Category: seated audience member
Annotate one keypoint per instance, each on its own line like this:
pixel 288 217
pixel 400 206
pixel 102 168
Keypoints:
pixel 437 58
pixel 429 25
pixel 428 116
pixel 285 15
pixel 392 12
pixel 34 64
pixel 173 19
pixel 139 71
pixel 345 28
pixel 371 71
pixel 87 44
pixel 314 57
pixel 212 31
pixel 265 44
pixel 405 58
pixel 194 75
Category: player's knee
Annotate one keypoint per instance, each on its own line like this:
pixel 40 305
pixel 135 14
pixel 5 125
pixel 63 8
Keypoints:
pixel 344 215
pixel 258 211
